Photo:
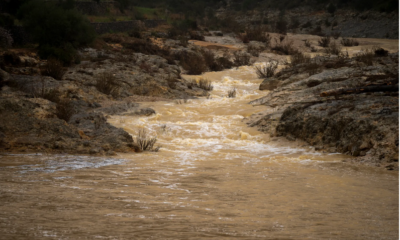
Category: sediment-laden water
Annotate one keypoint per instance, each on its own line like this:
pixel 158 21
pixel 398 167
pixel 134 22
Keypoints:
pixel 214 178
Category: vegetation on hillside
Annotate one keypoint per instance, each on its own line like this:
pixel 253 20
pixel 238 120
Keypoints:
pixel 58 31
pixel 197 6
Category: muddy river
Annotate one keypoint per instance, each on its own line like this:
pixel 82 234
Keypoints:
pixel 213 178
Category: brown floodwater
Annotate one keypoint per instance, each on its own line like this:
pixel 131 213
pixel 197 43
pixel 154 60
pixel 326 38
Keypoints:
pixel 213 178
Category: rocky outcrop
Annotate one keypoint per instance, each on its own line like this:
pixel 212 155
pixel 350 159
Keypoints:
pixel 41 114
pixel 333 111
pixel 31 125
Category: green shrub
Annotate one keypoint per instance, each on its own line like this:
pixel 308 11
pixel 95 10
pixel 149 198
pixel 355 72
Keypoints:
pixel 58 31
pixel 66 53
pixel 193 63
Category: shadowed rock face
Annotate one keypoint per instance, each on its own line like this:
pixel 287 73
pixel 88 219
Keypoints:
pixel 348 119
pixel 24 127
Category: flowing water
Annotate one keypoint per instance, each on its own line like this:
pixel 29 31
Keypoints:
pixel 214 178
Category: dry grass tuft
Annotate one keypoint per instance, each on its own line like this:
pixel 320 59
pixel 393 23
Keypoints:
pixel 54 69
pixel 307 43
pixel 241 58
pixel 284 47
pixel 324 41
pixel 202 83
pixel 267 71
pixel 108 84
pixel 298 58
pixel 312 68
pixel 232 93
pixel 255 50
pixel 205 84
pixel 146 143
pixel 349 42
pixel 366 56
pixel 255 34
pixel 333 49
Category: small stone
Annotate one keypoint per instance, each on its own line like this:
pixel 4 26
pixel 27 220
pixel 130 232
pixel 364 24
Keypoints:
pixel 111 153
pixel 96 105
pixel 364 145
pixel 390 167
pixel 106 147
pixel 332 150
pixel 94 151
pixel 355 151
pixel 318 148
pixel 290 137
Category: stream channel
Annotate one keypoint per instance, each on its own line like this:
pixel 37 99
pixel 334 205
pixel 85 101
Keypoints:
pixel 213 178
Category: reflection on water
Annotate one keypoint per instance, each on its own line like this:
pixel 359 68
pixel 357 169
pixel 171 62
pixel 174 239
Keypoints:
pixel 213 178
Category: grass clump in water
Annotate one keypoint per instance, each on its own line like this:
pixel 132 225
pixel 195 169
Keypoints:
pixel 232 93
pixel 146 143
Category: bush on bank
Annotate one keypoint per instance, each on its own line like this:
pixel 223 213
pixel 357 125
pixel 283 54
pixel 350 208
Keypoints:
pixel 58 31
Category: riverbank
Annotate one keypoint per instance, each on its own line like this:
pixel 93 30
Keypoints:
pixel 362 124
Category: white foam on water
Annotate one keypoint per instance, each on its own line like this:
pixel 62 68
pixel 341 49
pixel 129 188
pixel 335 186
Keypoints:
pixel 59 162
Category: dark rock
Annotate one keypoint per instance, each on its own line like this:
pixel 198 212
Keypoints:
pixel 94 150
pixel 141 112
pixel 269 84
pixel 290 137
pixel 318 148
pixel 4 76
pixel 313 83
pixel 355 151
pixel 392 167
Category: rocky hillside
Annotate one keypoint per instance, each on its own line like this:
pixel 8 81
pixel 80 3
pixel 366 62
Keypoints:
pixel 337 104
pixel 347 23
pixel 67 111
